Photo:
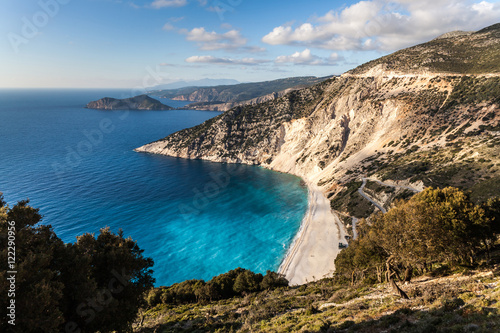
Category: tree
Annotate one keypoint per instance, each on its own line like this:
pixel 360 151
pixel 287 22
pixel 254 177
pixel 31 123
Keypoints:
pixel 121 276
pixel 38 290
pixel 93 285
pixel 246 282
pixel 273 280
pixel 434 226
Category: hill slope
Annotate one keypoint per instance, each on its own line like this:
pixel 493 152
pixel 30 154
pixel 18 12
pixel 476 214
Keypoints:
pixel 455 303
pixel 141 102
pixel 455 52
pixel 237 92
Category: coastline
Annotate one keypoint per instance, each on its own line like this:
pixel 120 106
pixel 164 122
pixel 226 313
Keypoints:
pixel 312 253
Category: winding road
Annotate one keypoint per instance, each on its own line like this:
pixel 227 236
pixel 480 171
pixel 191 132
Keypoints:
pixel 376 204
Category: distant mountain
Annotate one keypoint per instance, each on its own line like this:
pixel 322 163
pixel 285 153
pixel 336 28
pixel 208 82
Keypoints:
pixel 195 83
pixel 141 102
pixel 226 96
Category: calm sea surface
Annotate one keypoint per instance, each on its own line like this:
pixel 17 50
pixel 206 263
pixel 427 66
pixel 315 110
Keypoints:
pixel 196 219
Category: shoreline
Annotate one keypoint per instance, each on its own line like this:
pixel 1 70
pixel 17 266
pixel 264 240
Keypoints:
pixel 311 255
pixel 314 248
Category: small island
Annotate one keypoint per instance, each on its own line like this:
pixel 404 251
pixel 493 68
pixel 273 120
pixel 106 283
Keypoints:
pixel 141 102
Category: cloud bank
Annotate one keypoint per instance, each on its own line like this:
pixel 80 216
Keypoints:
pixel 168 3
pixel 231 40
pixel 207 59
pixel 307 58
pixel 386 25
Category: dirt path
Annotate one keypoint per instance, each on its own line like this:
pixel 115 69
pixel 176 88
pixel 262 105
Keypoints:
pixel 376 204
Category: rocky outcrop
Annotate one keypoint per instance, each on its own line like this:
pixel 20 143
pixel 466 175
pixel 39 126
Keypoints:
pixel 141 102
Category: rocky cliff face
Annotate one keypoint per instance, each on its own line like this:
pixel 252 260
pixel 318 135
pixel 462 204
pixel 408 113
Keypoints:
pixel 141 102
pixel 421 129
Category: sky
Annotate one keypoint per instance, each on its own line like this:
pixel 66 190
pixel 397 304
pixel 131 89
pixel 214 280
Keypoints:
pixel 143 43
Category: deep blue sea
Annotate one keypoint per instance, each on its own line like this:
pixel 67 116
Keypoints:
pixel 196 219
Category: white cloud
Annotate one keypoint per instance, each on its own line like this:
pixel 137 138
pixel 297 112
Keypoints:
pixel 297 58
pixel 168 3
pixel 168 27
pixel 176 19
pixel 386 25
pixel 231 40
pixel 307 58
pixel 224 61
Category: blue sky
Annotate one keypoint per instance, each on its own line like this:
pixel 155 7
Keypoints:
pixel 141 43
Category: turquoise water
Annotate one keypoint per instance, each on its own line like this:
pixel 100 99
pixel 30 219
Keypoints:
pixel 196 219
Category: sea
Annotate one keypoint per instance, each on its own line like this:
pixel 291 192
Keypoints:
pixel 196 219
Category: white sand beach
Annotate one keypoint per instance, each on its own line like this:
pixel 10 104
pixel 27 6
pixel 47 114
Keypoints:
pixel 313 252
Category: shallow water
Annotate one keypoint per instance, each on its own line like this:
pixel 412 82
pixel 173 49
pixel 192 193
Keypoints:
pixel 196 219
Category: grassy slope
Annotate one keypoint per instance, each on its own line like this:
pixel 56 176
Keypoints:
pixel 460 302
pixel 477 53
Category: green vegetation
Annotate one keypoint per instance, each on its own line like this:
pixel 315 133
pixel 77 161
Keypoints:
pixel 477 53
pixel 95 284
pixel 350 201
pixel 237 282
pixel 141 102
pixel 472 90
pixel 433 227
pixel 104 284
pixel 443 231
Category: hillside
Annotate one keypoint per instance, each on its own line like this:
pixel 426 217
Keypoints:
pixel 456 52
pixel 415 129
pixel 141 102
pixel 461 302
pixel 195 83
pixel 237 92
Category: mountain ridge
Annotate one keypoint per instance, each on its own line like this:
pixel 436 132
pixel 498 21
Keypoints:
pixel 223 97
pixel 194 83
pixel 470 53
